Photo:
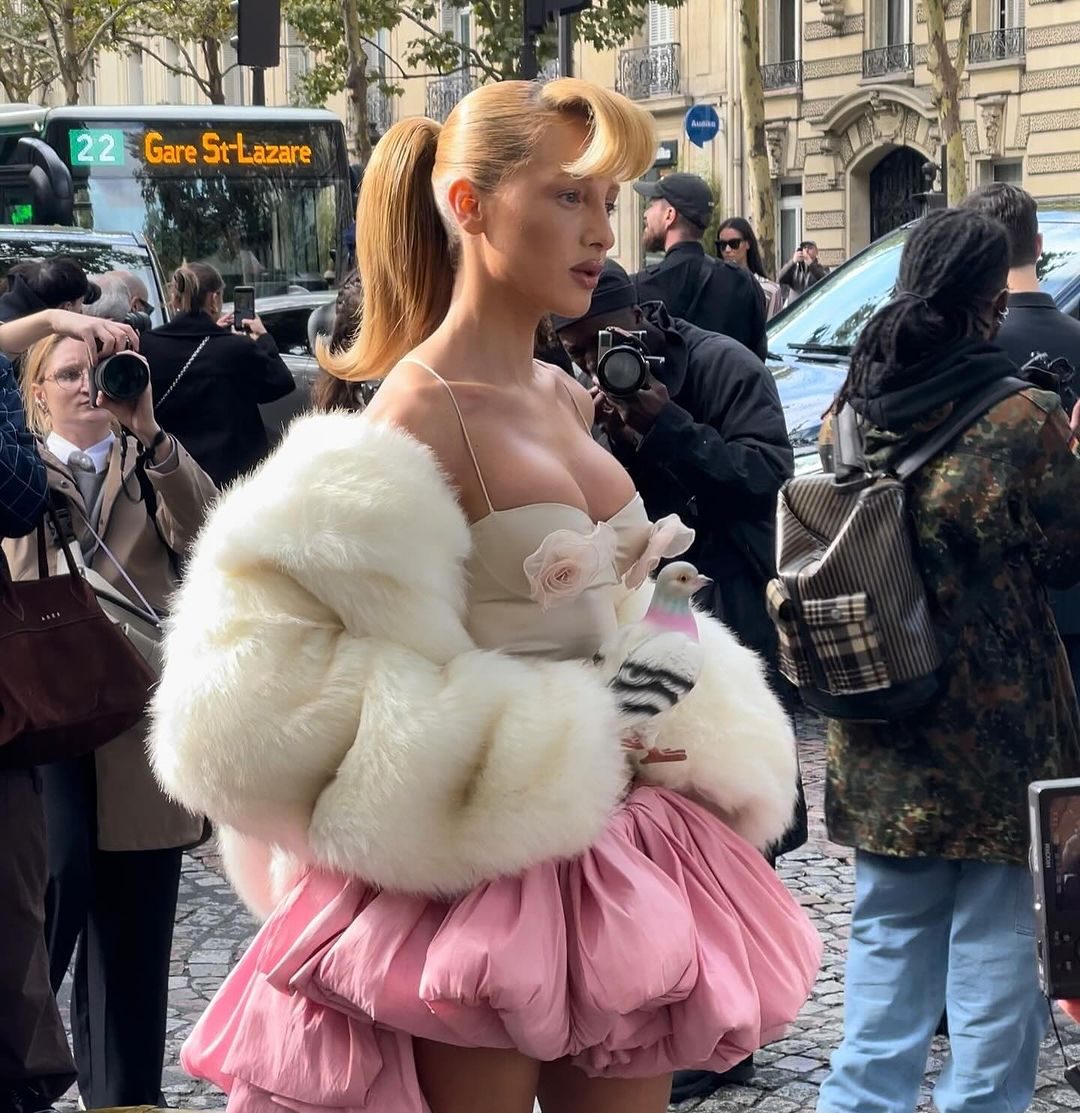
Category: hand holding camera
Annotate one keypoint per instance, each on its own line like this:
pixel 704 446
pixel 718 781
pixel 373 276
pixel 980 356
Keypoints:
pixel 626 374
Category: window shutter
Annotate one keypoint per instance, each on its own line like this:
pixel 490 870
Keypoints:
pixel 661 24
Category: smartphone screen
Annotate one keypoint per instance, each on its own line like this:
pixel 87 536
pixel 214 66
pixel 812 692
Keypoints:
pixel 243 306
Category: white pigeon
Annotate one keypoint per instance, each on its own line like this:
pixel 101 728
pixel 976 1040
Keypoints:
pixel 654 663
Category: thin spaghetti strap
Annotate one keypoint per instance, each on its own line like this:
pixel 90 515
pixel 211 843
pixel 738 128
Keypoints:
pixel 573 402
pixel 464 428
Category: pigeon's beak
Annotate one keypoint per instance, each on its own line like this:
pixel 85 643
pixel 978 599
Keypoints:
pixel 700 582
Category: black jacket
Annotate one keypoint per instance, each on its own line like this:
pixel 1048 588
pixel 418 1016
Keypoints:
pixel 1035 324
pixel 717 456
pixel 705 292
pixel 801 276
pixel 214 410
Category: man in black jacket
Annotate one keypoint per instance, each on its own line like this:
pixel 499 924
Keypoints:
pixel 1034 325
pixel 694 287
pixel 35 1063
pixel 705 439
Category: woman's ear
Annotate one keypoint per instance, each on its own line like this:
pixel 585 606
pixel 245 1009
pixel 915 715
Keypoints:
pixel 464 201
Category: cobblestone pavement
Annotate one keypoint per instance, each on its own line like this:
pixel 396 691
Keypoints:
pixel 213 929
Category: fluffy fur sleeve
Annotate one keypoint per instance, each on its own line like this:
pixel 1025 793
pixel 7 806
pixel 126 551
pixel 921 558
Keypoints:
pixel 739 742
pixel 321 694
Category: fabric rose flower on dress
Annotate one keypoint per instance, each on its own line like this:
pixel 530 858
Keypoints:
pixel 568 562
pixel 669 538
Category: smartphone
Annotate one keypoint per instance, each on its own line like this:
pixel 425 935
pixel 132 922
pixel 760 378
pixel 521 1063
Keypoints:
pixel 243 306
pixel 1054 808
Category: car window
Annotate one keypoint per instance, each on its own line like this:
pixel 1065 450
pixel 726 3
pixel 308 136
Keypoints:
pixel 1059 266
pixel 95 258
pixel 833 313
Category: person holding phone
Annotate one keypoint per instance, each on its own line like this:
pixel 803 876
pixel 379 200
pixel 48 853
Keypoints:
pixel 209 378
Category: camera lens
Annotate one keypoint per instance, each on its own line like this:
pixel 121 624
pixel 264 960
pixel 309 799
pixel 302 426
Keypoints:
pixel 622 372
pixel 123 377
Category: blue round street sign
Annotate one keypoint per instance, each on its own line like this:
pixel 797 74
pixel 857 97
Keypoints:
pixel 702 124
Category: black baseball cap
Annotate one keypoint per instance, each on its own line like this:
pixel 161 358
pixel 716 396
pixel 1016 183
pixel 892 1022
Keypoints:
pixel 687 194
pixel 614 291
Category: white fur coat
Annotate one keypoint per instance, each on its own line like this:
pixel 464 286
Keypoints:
pixel 322 701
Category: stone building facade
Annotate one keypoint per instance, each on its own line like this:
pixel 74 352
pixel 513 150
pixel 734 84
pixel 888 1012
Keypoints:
pixel 852 124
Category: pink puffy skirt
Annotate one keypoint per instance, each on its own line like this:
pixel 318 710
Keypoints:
pixel 669 944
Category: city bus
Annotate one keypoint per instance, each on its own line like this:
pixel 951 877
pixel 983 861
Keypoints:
pixel 264 194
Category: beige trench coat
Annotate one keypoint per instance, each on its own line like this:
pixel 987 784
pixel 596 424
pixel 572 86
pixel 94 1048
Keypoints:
pixel 133 813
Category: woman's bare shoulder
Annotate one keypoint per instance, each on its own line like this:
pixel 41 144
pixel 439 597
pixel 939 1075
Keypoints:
pixel 567 384
pixel 412 400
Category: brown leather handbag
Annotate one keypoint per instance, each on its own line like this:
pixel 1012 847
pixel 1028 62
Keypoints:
pixel 69 679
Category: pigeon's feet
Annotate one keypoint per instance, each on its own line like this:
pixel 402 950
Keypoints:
pixel 655 757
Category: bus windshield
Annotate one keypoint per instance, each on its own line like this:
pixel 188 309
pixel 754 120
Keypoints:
pixel 266 203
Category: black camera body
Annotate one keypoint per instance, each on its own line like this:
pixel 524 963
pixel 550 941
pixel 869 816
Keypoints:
pixel 1052 374
pixel 623 362
pixel 1055 867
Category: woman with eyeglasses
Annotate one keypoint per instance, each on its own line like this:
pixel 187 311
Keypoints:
pixel 736 243
pixel 128 496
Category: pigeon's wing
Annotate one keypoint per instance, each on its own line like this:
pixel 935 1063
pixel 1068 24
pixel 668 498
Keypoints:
pixel 657 674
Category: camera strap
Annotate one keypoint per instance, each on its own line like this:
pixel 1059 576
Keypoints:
pixel 183 371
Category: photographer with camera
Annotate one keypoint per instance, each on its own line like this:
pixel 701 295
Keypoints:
pixel 45 297
pixel 210 378
pixel 131 499
pixel 696 420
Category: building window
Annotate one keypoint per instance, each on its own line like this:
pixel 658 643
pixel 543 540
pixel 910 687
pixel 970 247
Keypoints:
pixel 661 24
pixel 1008 14
pixel 233 80
pixel 791 219
pixel 297 64
pixel 172 78
pixel 782 37
pixel 136 92
pixel 88 85
pixel 1009 171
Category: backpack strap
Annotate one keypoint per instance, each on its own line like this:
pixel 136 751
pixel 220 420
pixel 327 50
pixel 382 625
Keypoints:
pixel 962 418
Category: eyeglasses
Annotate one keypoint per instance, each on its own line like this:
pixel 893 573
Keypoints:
pixel 67 378
pixel 730 245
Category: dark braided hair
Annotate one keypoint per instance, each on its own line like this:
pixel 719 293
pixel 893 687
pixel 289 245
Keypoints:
pixel 753 250
pixel 953 267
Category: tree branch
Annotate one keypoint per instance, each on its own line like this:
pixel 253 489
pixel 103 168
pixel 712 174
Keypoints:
pixel 172 67
pixel 478 59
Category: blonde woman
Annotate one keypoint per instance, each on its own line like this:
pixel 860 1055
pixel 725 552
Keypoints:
pixel 113 839
pixel 380 680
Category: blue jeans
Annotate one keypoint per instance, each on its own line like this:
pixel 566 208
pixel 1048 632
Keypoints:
pixel 929 934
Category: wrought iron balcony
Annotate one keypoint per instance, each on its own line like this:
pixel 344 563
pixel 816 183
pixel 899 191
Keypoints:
pixel 380 110
pixel 997 46
pixel 885 61
pixel 651 71
pixel 444 92
pixel 782 75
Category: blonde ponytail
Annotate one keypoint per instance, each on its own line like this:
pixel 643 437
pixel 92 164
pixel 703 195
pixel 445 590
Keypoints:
pixel 405 233
pixel 403 254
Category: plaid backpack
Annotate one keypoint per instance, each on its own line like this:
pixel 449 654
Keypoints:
pixel 848 602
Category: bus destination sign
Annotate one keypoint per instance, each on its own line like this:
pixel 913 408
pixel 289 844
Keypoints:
pixel 186 150
pixel 214 148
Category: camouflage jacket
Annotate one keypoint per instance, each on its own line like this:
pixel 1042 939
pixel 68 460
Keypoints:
pixel 999 514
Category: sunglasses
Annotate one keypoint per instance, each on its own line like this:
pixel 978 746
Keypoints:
pixel 730 245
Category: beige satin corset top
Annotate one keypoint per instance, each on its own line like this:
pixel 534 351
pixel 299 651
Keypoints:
pixel 544 578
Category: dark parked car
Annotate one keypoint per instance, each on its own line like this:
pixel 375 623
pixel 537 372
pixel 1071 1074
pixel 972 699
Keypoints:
pixel 811 341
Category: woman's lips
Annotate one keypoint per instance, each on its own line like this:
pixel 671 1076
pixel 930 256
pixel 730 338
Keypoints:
pixel 587 274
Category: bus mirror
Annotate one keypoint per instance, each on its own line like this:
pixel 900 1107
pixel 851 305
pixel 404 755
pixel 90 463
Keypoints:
pixel 50 181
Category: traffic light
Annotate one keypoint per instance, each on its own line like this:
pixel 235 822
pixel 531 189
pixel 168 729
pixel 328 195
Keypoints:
pixel 538 12
pixel 258 32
